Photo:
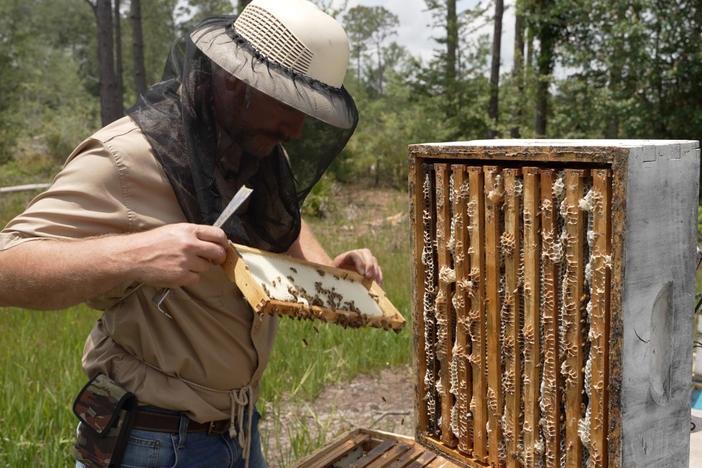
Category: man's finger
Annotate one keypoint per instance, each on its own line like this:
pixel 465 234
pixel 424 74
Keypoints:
pixel 212 253
pixel 199 265
pixel 363 262
pixel 214 245
pixel 211 234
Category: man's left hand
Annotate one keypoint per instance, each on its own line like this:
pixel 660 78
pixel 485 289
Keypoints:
pixel 361 261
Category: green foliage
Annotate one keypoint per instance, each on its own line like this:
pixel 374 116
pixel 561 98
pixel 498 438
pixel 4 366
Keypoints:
pixel 636 70
pixel 30 169
pixel 14 36
pixel 321 201
pixel 8 138
pixel 302 438
pixel 307 355
pixel 44 106
pixel 417 102
pixel 192 12
pixel 369 28
pixel 160 30
pixel 334 8
pixel 39 375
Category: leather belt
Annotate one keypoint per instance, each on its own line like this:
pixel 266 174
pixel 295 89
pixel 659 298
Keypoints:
pixel 159 422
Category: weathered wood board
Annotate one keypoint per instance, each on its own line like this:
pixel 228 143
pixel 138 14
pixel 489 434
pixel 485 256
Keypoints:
pixel 363 448
pixel 657 303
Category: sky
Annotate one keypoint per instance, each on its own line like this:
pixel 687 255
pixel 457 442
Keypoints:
pixel 415 31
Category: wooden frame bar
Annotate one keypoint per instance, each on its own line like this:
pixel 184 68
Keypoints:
pixel 532 326
pixel 551 398
pixel 258 297
pixel 337 450
pixel 599 328
pixel 493 201
pixel 371 457
pixel 405 459
pixel 476 316
pixel 423 460
pixel 417 205
pixel 387 457
pixel 365 448
pixel 429 262
pixel 573 302
pixel 510 243
pixel 463 344
pixel 444 308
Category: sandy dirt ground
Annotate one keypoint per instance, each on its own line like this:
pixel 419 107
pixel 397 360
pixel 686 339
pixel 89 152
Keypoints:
pixel 384 402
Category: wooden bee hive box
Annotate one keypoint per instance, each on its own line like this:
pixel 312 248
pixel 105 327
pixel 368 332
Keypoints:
pixel 281 285
pixel 363 448
pixel 553 297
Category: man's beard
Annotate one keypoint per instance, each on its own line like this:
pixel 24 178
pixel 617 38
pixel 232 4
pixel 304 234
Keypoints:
pixel 260 145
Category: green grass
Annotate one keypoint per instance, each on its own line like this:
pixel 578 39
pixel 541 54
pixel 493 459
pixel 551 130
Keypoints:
pixel 308 355
pixel 302 437
pixel 342 353
pixel 39 375
pixel 40 352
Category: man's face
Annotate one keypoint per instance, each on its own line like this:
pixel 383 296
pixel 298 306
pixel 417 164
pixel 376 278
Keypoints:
pixel 256 121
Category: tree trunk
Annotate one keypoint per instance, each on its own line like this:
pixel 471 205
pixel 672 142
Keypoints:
pixel 542 94
pixel 517 73
pixel 495 69
pixel 529 81
pixel 451 40
pixel 137 46
pixel 380 69
pixel 547 35
pixel 529 53
pixel 358 67
pixel 613 128
pixel 615 84
pixel 110 104
pixel 451 55
pixel 242 4
pixel 118 57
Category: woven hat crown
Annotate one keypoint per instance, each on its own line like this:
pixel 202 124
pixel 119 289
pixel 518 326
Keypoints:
pixel 297 35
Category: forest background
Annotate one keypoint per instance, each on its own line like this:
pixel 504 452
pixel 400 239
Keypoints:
pixel 626 69
pixel 581 69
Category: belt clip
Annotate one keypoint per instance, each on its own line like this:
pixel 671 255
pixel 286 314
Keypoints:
pixel 212 430
pixel 217 427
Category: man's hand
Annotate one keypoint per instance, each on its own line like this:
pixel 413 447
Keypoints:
pixel 176 254
pixel 361 261
pixel 53 274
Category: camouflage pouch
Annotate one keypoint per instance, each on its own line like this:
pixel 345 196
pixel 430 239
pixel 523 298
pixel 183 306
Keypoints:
pixel 105 411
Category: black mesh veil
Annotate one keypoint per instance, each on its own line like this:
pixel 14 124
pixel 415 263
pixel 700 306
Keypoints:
pixel 177 115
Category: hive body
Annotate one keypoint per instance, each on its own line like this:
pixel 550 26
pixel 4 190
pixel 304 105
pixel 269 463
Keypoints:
pixel 553 297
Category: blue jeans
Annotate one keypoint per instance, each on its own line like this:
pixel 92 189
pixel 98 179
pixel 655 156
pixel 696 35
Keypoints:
pixel 147 449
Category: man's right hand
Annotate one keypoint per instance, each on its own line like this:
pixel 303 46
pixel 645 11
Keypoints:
pixel 176 254
pixel 53 274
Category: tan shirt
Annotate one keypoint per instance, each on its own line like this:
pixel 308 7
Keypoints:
pixel 112 183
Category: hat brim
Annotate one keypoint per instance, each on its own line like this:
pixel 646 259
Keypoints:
pixel 274 79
